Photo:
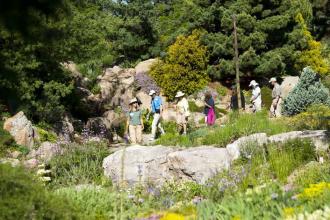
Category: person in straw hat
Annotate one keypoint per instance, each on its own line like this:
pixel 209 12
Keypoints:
pixel 157 110
pixel 182 111
pixel 275 108
pixel 134 122
pixel 256 96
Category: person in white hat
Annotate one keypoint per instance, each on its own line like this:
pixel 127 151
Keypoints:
pixel 134 122
pixel 275 108
pixel 256 96
pixel 182 111
pixel 156 109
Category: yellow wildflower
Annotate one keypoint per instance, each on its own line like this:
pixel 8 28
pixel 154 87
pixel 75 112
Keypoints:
pixel 172 216
pixel 236 217
pixel 314 190
pixel 288 211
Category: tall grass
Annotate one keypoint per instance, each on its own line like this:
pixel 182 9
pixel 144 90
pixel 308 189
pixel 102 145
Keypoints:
pixel 80 164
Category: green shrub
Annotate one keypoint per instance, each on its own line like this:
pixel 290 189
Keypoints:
pixel 80 164
pixel 23 197
pixel 316 117
pixel 46 135
pixel 185 65
pixel 313 172
pixel 194 108
pixel 170 139
pixel 266 97
pixel 308 91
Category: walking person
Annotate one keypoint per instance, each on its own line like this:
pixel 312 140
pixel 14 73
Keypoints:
pixel 209 106
pixel 182 111
pixel 275 108
pixel 134 122
pixel 256 96
pixel 157 110
pixel 234 99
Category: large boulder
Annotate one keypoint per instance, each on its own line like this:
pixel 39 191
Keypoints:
pixel 234 149
pixel 21 129
pixel 144 66
pixel 289 82
pixel 198 164
pixel 46 151
pixel 159 164
pixel 138 163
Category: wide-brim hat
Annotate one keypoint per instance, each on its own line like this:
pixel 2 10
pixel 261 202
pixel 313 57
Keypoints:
pixel 133 101
pixel 273 79
pixel 179 94
pixel 253 83
pixel 152 92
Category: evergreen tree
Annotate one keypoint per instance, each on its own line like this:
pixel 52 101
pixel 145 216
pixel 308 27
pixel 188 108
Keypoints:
pixel 308 91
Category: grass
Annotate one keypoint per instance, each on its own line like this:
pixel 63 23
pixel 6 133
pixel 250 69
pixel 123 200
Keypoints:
pixel 79 164
pixel 238 126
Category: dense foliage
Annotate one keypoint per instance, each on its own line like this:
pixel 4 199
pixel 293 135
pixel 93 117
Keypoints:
pixel 185 65
pixel 308 91
pixel 274 38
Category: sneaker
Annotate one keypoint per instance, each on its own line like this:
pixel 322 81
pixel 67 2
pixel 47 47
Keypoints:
pixel 184 133
pixel 151 139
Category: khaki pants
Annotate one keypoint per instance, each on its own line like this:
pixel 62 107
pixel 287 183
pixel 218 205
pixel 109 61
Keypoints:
pixel 135 133
pixel 277 110
pixel 156 123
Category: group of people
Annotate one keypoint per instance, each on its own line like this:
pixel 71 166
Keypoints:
pixel 135 125
pixel 275 108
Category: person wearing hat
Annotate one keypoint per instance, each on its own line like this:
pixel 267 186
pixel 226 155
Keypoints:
pixel 256 96
pixel 275 108
pixel 182 111
pixel 156 109
pixel 134 122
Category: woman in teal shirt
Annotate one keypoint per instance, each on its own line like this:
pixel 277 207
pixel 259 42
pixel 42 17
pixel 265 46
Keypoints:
pixel 134 122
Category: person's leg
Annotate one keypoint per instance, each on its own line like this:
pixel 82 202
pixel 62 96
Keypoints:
pixel 278 111
pixel 272 109
pixel 139 134
pixel 154 125
pixel 160 125
pixel 132 133
pixel 205 119
pixel 184 128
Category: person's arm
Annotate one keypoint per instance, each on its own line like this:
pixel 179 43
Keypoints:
pixel 207 105
pixel 141 121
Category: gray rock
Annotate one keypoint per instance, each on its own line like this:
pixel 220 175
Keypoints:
pixel 289 82
pixel 140 163
pixel 46 151
pixel 15 154
pixel 31 163
pixel 234 148
pixel 11 161
pixel 198 164
pixel 144 66
pixel 320 138
pixel 21 129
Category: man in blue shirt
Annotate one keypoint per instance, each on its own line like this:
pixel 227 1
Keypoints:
pixel 156 109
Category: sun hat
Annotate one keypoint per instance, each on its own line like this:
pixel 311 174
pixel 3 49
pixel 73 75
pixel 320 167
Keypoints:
pixel 179 94
pixel 133 101
pixel 152 92
pixel 273 79
pixel 253 83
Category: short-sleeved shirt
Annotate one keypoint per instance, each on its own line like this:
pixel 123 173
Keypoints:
pixel 183 106
pixel 156 104
pixel 277 91
pixel 256 94
pixel 134 117
pixel 210 102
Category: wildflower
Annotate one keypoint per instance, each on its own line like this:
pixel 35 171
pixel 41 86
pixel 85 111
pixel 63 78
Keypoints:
pixel 274 195
pixel 196 200
pixel 130 196
pixel 172 216
pixel 288 211
pixel 236 217
pixel 141 200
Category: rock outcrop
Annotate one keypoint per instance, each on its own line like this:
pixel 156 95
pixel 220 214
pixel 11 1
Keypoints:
pixel 289 82
pixel 46 151
pixel 21 129
pixel 159 164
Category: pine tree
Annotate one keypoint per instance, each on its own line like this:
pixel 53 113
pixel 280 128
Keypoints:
pixel 308 91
